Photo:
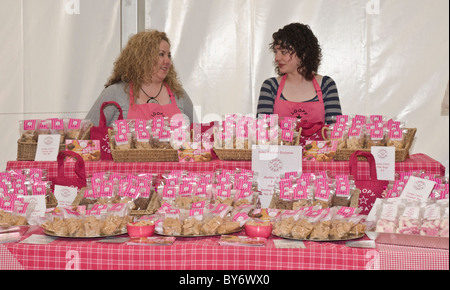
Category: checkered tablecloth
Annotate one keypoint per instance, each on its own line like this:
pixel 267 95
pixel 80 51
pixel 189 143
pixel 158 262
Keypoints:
pixel 394 257
pixel 416 162
pixel 184 254
pixel 206 254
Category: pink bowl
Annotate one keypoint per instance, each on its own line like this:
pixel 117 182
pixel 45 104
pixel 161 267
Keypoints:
pixel 140 231
pixel 258 231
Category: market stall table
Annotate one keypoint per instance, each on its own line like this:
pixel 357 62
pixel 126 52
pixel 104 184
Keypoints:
pixel 204 253
pixel 416 162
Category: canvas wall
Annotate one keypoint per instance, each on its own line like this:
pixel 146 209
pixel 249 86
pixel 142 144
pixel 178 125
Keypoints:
pixel 387 57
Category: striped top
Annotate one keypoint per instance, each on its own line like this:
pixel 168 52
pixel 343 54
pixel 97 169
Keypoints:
pixel 330 98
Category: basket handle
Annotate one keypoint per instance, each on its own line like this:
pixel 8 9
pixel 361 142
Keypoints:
pixel 325 133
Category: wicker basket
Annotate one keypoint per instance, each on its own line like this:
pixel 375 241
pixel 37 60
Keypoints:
pixel 152 206
pixel 400 154
pixel 142 155
pixel 26 151
pixel 275 201
pixel 243 154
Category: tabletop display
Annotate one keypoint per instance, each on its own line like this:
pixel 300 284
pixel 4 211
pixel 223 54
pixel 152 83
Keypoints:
pixel 186 196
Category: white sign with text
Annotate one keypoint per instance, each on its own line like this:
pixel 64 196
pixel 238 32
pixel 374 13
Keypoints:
pixel 47 148
pixel 385 162
pixel 271 162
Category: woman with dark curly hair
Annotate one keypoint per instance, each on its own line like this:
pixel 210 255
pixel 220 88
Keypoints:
pixel 299 91
pixel 143 82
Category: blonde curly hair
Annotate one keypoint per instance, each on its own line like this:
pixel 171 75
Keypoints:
pixel 136 62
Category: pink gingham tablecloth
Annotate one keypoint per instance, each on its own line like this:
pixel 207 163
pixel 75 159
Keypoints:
pixel 416 162
pixel 185 254
pixel 395 257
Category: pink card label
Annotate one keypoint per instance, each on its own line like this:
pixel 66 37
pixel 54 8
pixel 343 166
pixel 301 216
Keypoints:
pixel 74 124
pixel 29 125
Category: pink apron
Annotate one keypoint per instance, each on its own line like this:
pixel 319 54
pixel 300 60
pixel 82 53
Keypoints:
pixel 150 111
pixel 311 114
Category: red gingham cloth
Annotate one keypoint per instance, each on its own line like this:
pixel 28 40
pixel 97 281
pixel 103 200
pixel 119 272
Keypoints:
pixel 394 257
pixel 184 254
pixel 416 162
pixel 207 254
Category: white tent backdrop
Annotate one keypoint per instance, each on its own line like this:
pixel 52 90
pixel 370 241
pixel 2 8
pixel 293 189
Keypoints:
pixel 387 57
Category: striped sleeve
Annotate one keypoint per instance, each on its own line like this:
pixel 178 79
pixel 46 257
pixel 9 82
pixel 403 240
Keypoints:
pixel 267 97
pixel 331 99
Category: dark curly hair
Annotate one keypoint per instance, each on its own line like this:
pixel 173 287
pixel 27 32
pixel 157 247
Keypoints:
pixel 298 39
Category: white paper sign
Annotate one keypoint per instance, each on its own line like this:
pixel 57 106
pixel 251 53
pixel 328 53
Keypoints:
pixel 385 162
pixel 417 189
pixel 38 201
pixel 47 148
pixel 271 162
pixel 65 195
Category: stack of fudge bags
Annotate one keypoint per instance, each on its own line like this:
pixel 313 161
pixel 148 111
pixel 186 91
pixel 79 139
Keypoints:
pixel 207 203
pixel 394 214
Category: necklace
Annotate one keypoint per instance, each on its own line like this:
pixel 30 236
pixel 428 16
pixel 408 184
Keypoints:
pixel 153 100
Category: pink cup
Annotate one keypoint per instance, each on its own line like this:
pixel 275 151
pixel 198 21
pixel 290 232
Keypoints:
pixel 258 231
pixel 140 231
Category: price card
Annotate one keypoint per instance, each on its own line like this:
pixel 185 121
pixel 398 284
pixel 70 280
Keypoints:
pixel 47 148
pixel 39 207
pixel 272 161
pixel 417 189
pixel 65 195
pixel 385 162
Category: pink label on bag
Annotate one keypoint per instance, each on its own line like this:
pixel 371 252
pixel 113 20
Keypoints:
pixel 57 124
pixel 196 212
pixel 158 124
pixel 169 192
pixel 140 124
pixel 164 134
pixel 223 178
pixel 376 134
pixel 322 193
pixel 244 185
pixel 242 132
pixel 287 135
pixel 223 192
pixel 106 189
pixel 342 119
pixel 38 189
pixel 74 124
pixel 359 120
pixel 346 211
pixel 396 134
pixel 121 139
pixel 172 181
pixel 186 189
pixel 354 132
pixel 261 135
pixel 342 189
pixel 142 136
pixel 376 118
pixel 244 194
pixel 200 190
pixel 29 125
pixel 132 191
pixel 300 192
pixel 198 204
pixel 337 132
pixel 43 125
pixel 285 186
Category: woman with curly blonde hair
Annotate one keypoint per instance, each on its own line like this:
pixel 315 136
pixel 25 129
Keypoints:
pixel 144 82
